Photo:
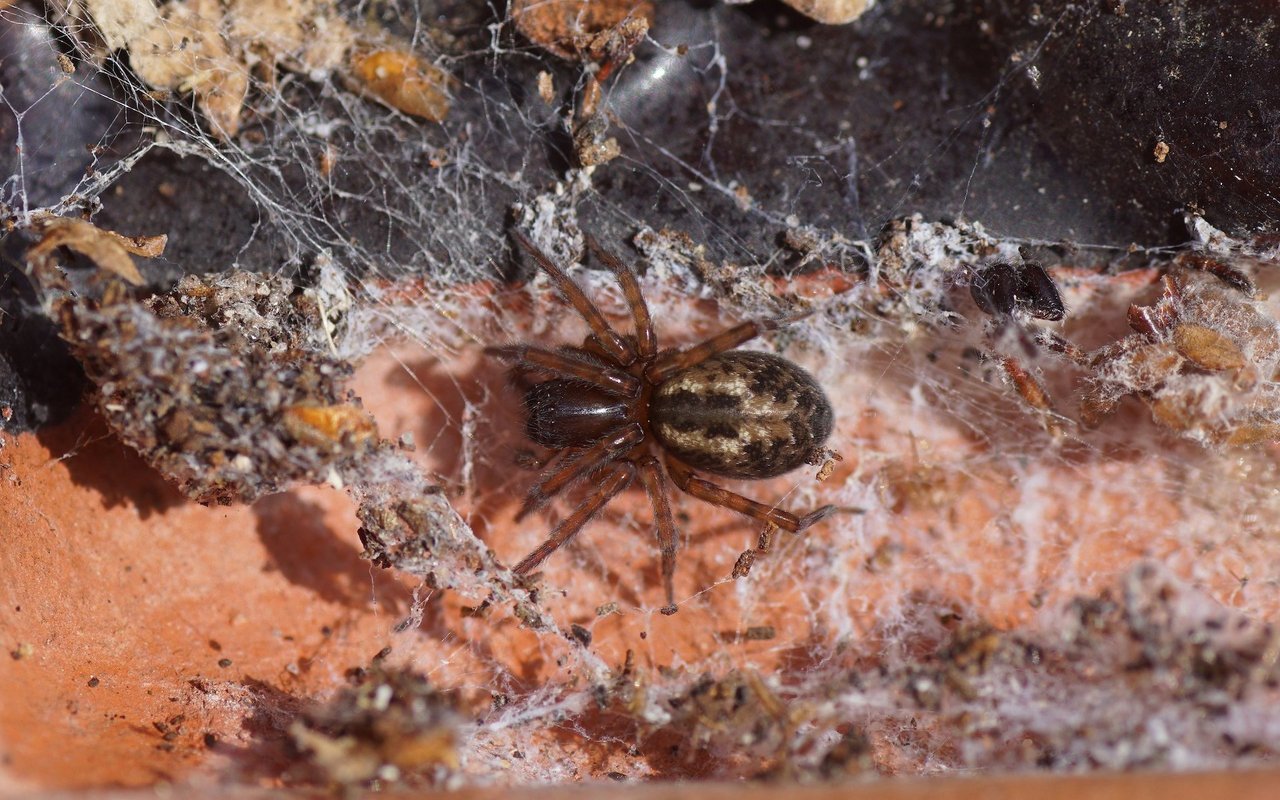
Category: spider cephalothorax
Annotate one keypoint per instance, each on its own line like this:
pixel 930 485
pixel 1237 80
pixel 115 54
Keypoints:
pixel 609 408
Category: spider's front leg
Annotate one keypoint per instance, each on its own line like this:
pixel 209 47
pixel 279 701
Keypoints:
pixel 602 452
pixel 565 365
pixel 614 481
pixel 614 344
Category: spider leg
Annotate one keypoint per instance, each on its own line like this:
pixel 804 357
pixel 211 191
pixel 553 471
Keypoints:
pixel 609 339
pixel 646 342
pixel 617 480
pixel 613 381
pixel 671 363
pixel 528 459
pixel 718 495
pixel 602 452
pixel 655 484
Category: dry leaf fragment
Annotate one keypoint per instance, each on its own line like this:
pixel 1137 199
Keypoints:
pixel 1207 348
pixel 567 27
pixel 109 250
pixel 121 22
pixel 207 48
pixel 142 246
pixel 183 50
pixel 546 88
pixel 269 27
pixel 391 725
pixel 1251 433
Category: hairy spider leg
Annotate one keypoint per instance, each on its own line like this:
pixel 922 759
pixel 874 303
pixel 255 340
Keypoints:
pixel 617 479
pixel 613 343
pixel 528 459
pixel 646 341
pixel 610 380
pixel 671 363
pixel 655 483
pixel 607 449
pixel 718 495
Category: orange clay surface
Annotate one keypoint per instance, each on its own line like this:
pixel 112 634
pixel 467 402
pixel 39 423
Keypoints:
pixel 1242 785
pixel 147 638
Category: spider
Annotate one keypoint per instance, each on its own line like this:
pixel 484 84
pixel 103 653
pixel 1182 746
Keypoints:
pixel 609 408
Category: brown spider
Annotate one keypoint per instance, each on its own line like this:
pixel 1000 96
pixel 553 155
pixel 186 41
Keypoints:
pixel 604 408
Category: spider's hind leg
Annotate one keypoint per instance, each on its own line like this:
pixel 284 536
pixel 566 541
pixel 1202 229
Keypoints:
pixel 718 495
pixel 655 483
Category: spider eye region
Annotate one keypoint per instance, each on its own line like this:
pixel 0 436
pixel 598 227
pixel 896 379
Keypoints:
pixel 742 414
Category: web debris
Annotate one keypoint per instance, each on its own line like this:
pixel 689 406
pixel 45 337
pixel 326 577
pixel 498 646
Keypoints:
pixel 895 338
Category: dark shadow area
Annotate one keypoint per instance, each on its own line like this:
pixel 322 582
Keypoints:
pixel 63 116
pixel 270 755
pixel 40 382
pixel 95 458
pixel 307 553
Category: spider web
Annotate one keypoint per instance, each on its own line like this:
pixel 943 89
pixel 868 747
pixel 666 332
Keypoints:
pixel 943 620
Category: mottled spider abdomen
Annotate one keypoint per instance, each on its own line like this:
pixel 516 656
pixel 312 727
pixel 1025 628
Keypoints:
pixel 742 414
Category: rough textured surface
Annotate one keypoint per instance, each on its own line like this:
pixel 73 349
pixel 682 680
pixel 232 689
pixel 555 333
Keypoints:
pixel 390 725
pixel 1004 586
pixel 221 384
pixel 974 614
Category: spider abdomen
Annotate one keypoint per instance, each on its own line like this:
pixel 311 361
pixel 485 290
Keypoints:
pixel 742 414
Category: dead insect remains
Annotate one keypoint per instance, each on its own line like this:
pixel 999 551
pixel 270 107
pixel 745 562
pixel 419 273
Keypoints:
pixel 1001 289
pixel 608 409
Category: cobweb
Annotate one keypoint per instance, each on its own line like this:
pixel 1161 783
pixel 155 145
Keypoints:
pixel 1009 583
